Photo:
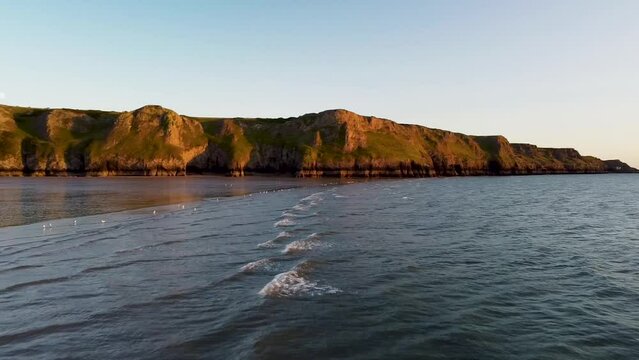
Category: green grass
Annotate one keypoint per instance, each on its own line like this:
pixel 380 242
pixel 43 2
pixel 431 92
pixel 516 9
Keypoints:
pixel 460 147
pixel 238 138
pixel 11 144
pixel 32 126
pixel 490 144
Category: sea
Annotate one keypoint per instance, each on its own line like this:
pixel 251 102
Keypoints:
pixel 206 267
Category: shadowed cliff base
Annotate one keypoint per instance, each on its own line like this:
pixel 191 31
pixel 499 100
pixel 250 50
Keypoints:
pixel 155 141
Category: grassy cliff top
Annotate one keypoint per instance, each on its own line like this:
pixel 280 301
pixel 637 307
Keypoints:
pixel 335 139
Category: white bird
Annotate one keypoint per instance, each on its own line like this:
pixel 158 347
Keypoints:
pixel 50 225
pixel 44 226
pixel 182 207
pixel 194 209
pixel 154 212
pixel 103 221
pixel 75 222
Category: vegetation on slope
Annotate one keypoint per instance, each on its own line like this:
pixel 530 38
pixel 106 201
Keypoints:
pixel 157 141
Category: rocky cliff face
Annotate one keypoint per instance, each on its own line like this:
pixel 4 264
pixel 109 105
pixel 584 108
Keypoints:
pixel 157 141
pixel 619 167
pixel 148 141
pixel 10 144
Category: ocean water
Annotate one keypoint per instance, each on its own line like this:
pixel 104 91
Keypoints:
pixel 32 199
pixel 537 267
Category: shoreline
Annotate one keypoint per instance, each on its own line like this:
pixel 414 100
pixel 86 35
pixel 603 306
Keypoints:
pixel 328 174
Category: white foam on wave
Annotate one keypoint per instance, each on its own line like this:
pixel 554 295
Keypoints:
pixel 313 197
pixel 297 216
pixel 257 265
pixel 273 242
pixel 290 214
pixel 308 243
pixel 306 203
pixel 284 222
pixel 137 248
pixel 300 207
pixel 267 244
pixel 295 283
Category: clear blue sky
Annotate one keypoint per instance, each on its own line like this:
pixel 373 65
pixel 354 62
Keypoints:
pixel 553 73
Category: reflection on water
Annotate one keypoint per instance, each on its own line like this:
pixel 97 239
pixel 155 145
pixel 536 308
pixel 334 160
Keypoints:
pixel 27 200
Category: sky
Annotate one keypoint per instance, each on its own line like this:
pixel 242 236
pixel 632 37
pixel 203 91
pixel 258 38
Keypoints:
pixel 560 73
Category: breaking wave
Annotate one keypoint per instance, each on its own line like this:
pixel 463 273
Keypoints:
pixel 284 222
pixel 307 243
pixel 301 207
pixel 261 264
pixel 273 242
pixel 290 214
pixel 294 283
pixel 313 197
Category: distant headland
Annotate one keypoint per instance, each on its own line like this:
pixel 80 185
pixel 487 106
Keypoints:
pixel 155 141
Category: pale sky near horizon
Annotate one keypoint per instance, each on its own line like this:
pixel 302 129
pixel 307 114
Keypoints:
pixel 553 73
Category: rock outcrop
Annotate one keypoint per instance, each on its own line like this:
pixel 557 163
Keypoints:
pixel 11 161
pixel 156 141
pixel 148 141
pixel 618 166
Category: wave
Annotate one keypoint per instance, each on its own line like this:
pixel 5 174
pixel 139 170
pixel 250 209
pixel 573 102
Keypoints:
pixel 89 270
pixel 150 246
pixel 122 264
pixel 308 202
pixel 20 267
pixel 261 264
pixel 273 242
pixel 313 197
pixel 62 249
pixel 41 331
pixel 36 283
pixel 307 243
pixel 284 222
pixel 298 216
pixel 301 207
pixel 294 283
pixel 290 214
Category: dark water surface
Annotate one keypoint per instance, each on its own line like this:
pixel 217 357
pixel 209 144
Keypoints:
pixel 538 267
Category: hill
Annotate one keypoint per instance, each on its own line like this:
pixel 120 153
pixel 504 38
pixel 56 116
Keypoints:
pixel 153 140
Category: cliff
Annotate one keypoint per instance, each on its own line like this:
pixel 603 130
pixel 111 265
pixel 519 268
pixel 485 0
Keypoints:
pixel 156 141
